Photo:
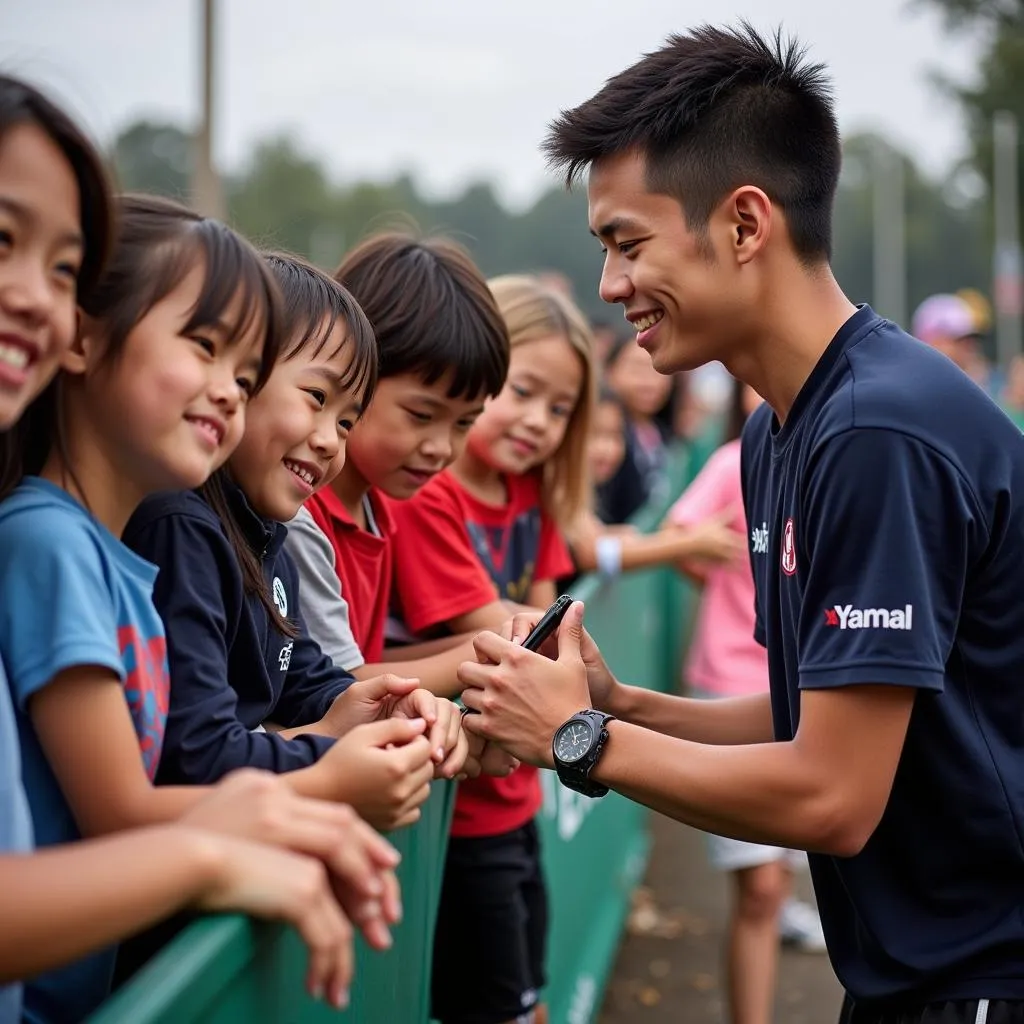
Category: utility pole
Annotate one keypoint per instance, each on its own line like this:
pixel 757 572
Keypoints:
pixel 207 194
pixel 1007 257
pixel 890 246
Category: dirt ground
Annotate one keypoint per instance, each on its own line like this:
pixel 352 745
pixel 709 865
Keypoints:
pixel 667 971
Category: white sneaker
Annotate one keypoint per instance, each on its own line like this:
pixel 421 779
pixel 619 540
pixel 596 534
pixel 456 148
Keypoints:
pixel 800 926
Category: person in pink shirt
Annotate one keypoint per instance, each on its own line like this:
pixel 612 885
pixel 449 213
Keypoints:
pixel 724 660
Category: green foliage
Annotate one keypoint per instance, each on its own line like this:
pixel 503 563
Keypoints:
pixel 992 13
pixel 283 198
pixel 154 157
pixel 947 246
pixel 998 83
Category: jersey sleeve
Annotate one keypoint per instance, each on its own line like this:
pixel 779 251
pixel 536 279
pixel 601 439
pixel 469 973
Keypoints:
pixel 324 608
pixel 887 524
pixel 199 596
pixel 57 611
pixel 437 574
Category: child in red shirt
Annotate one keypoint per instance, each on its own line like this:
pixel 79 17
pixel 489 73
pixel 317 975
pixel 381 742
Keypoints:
pixel 485 531
pixel 443 349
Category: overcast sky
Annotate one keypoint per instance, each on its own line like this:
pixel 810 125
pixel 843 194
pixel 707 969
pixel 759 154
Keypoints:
pixel 454 89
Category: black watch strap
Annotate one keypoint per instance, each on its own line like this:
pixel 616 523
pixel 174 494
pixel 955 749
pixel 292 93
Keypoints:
pixel 576 775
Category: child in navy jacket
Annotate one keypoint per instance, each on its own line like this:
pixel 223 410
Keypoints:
pixel 240 655
pixel 201 594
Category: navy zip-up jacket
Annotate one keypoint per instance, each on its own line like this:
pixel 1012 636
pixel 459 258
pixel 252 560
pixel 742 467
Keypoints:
pixel 231 668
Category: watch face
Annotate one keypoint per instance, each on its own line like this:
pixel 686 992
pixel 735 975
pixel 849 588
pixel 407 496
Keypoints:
pixel 573 741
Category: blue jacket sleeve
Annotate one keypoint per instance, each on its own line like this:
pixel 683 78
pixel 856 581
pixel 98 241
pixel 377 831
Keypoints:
pixel 200 597
pixel 313 681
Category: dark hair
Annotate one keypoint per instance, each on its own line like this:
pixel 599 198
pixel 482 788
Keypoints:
pixel 311 305
pixel 157 243
pixel 710 111
pixel 616 348
pixel 431 311
pixel 22 104
pixel 608 396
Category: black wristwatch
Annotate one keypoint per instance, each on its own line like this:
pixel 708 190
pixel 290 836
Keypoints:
pixel 576 747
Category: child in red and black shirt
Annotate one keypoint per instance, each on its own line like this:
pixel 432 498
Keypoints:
pixel 488 531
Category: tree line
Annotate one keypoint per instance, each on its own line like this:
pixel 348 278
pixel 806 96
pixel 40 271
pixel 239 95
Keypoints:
pixel 285 198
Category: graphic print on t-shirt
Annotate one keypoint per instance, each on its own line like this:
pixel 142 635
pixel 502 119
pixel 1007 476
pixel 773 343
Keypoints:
pixel 509 553
pixel 147 688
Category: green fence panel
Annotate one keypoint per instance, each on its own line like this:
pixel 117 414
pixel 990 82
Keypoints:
pixel 227 970
pixel 595 851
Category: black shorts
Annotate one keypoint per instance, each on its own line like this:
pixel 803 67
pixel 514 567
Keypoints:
pixel 953 1011
pixel 491 934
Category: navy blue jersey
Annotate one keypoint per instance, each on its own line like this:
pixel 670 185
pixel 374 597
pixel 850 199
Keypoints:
pixel 231 667
pixel 887 542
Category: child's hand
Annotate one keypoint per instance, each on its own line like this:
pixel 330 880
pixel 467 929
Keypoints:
pixel 485 758
pixel 448 741
pixel 383 770
pixel 452 756
pixel 260 806
pixel 267 882
pixel 366 700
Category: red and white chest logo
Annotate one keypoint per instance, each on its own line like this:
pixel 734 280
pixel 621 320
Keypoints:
pixel 788 548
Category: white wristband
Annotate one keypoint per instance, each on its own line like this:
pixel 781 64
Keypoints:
pixel 608 551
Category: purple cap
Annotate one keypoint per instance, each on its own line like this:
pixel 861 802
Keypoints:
pixel 943 317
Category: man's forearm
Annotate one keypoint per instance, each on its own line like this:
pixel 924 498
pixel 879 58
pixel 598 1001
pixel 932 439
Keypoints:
pixel 725 721
pixel 760 793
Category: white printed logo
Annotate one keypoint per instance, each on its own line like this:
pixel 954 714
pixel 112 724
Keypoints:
pixel 845 616
pixel 759 539
pixel 284 659
pixel 280 597
pixel 788 548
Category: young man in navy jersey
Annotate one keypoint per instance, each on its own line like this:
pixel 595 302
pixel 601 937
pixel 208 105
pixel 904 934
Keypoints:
pixel 885 494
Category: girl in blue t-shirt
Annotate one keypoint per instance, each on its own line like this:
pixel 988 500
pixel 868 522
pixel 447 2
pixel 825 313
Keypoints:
pixel 173 338
pixel 55 235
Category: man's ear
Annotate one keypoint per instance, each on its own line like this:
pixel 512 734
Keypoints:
pixel 750 212
pixel 82 354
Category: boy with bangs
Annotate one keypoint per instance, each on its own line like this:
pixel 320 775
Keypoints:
pixel 443 350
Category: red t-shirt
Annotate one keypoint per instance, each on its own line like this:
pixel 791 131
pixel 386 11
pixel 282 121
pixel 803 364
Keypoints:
pixel 363 563
pixel 453 554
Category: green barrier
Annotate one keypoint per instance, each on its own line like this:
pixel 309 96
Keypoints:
pixel 228 969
